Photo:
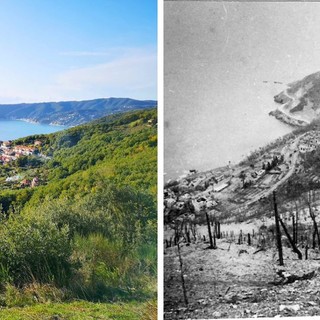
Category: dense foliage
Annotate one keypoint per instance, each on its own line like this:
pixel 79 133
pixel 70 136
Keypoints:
pixel 90 227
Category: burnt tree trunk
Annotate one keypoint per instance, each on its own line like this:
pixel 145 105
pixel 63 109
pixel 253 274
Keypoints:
pixel 293 230
pixel 212 246
pixel 240 238
pixel 187 233
pixel 312 216
pixel 294 248
pixel 182 277
pixel 306 251
pixel 278 234
pixel 297 220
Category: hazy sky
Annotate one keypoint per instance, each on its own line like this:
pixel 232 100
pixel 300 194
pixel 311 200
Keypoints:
pixel 77 49
pixel 217 55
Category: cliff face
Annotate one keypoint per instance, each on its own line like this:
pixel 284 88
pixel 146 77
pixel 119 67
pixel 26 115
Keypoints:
pixel 300 102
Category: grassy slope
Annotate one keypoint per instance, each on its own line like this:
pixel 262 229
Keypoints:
pixel 81 310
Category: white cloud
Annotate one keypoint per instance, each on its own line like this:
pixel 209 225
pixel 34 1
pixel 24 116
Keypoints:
pixel 84 53
pixel 120 73
pixel 110 52
pixel 134 73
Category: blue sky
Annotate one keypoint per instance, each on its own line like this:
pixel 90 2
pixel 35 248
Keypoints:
pixel 53 50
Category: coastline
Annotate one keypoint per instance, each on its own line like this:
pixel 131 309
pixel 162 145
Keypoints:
pixel 13 129
pixel 284 117
pixel 32 121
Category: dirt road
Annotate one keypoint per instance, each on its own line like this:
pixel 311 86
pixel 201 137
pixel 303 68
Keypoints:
pixel 294 159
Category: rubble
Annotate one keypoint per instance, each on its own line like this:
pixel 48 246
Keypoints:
pixel 234 286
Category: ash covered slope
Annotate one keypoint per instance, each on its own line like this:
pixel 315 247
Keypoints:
pixel 300 102
pixel 71 113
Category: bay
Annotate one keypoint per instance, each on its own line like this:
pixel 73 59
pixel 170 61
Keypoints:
pixel 13 129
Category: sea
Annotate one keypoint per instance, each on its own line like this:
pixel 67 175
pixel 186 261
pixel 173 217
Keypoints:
pixel 13 129
pixel 213 138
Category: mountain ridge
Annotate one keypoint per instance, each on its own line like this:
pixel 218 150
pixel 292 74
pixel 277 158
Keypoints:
pixel 71 113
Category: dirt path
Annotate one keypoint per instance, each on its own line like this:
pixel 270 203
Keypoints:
pixel 230 283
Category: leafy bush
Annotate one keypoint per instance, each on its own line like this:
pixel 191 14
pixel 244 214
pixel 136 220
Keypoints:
pixel 121 214
pixel 34 250
pixel 110 272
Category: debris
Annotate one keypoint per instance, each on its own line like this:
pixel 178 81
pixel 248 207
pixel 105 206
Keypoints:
pixel 242 251
pixel 293 307
pixel 261 249
pixel 231 298
pixel 290 278
pixel 216 314
pixel 181 309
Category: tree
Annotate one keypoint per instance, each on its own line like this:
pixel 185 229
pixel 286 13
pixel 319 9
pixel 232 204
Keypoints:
pixel 278 234
pixel 242 176
pixel 268 166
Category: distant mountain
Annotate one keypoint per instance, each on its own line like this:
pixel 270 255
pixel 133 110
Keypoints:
pixel 300 102
pixel 71 113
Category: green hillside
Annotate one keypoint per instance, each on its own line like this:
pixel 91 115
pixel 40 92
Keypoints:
pixel 88 230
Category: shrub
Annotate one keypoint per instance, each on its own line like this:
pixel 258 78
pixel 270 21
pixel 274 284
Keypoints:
pixel 34 249
pixel 110 272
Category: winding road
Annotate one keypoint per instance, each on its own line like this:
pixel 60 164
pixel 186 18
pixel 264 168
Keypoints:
pixel 295 155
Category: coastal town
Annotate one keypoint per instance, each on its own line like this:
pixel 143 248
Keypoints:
pixel 239 186
pixel 9 153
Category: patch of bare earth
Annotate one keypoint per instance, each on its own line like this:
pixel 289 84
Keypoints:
pixel 235 281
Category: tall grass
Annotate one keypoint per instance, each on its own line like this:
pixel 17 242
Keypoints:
pixel 110 272
pixel 100 248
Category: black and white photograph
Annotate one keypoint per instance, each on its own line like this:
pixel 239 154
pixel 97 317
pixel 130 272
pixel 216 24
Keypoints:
pixel 241 196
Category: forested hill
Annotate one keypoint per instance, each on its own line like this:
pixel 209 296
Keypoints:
pixel 71 113
pixel 121 148
pixel 88 228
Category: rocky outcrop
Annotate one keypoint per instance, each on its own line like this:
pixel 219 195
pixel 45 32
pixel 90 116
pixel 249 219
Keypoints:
pixel 281 98
pixel 300 102
pixel 287 119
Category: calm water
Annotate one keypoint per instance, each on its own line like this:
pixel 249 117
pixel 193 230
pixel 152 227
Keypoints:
pixel 217 56
pixel 211 138
pixel 10 130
